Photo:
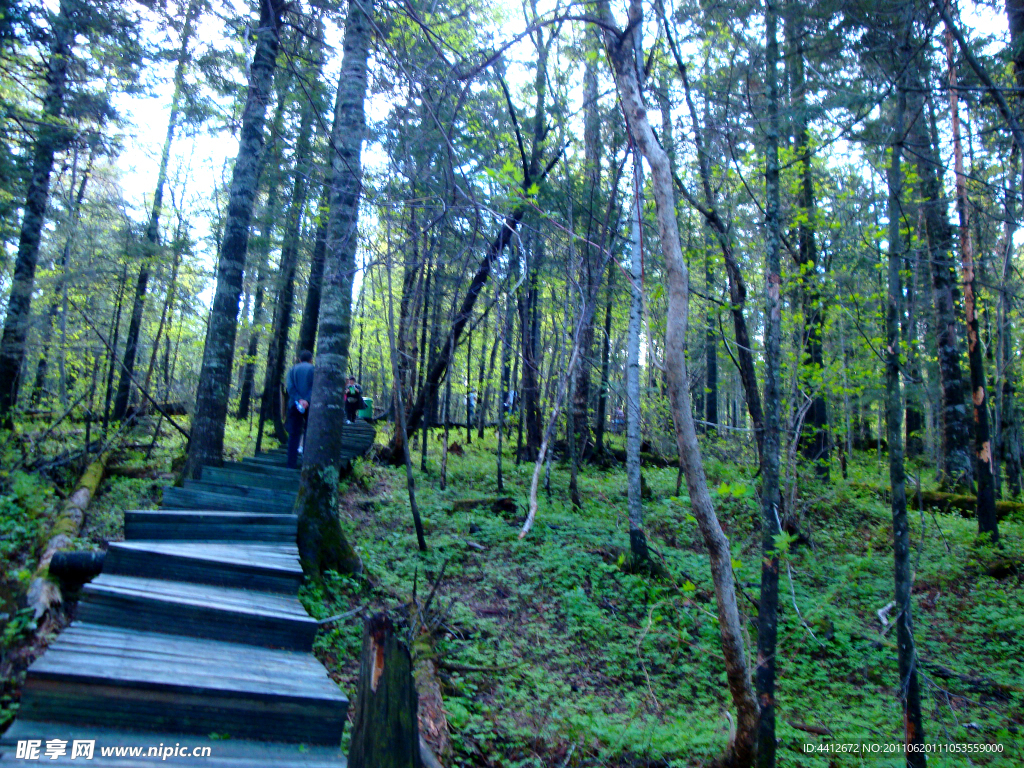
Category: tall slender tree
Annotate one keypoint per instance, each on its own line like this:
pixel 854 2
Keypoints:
pixel 153 225
pixel 767 612
pixel 51 137
pixel 621 53
pixel 322 544
pixel 909 690
pixel 207 441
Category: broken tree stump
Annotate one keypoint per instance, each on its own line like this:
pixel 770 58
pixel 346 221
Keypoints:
pixel 386 732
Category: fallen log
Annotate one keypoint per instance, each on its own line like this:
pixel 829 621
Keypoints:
pixel 74 569
pixel 939 501
pixel 44 593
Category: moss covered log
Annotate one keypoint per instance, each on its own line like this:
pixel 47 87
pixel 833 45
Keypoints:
pixel 44 593
pixel 964 505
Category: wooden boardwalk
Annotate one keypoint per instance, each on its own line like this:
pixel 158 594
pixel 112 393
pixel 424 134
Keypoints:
pixel 193 636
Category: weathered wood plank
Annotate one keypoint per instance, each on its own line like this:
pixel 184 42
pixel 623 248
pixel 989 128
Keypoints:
pixel 198 610
pixel 206 525
pixel 281 495
pixel 183 498
pixel 248 566
pixel 231 753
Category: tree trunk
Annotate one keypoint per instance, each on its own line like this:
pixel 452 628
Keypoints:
pixel 529 324
pixel 311 309
pixel 634 482
pixel 207 442
pixel 767 613
pixel 814 437
pixel 322 545
pixel 737 285
pixel 988 524
pixel 112 350
pixel 590 269
pixel 623 60
pixel 277 349
pixel 261 246
pixel 249 369
pixel 153 227
pixel 55 304
pixel 957 470
pixel 606 345
pixel 909 691
pixel 50 138
pixel 385 733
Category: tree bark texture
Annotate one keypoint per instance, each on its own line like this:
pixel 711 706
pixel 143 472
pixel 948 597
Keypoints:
pixel 606 345
pixel 987 521
pixel 768 608
pixel 311 309
pixel 322 545
pixel 282 323
pixel 637 539
pixel 386 729
pixel 207 443
pixel 909 690
pixel 51 136
pixel 621 53
pixel 957 469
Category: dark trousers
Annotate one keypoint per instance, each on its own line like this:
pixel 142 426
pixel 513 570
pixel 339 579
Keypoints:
pixel 350 410
pixel 296 426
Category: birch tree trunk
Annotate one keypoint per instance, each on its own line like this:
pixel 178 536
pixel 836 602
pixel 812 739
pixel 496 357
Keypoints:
pixel 322 545
pixel 207 443
pixel 620 51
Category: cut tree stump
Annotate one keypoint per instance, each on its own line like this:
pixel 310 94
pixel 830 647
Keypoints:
pixel 386 732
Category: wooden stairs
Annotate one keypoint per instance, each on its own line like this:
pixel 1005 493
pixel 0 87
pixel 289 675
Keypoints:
pixel 193 635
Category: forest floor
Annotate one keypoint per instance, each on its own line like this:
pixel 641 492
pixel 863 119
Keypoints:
pixel 554 655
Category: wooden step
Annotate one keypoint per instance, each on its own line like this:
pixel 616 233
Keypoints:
pixel 110 677
pixel 198 610
pixel 184 498
pixel 273 495
pixel 223 753
pixel 265 567
pixel 250 477
pixel 281 472
pixel 205 525
pixel 267 460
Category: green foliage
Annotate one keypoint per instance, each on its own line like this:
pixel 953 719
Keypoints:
pixel 627 669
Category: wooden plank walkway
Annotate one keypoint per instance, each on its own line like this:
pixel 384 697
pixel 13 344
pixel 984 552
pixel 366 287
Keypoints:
pixel 193 635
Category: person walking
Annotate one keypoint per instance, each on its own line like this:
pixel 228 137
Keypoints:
pixel 353 399
pixel 470 406
pixel 299 383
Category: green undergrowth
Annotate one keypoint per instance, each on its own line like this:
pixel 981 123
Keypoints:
pixel 581 657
